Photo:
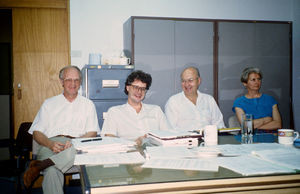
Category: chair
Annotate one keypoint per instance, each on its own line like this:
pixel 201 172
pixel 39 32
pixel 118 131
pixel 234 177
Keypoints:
pixel 19 151
pixel 233 122
pixel 74 170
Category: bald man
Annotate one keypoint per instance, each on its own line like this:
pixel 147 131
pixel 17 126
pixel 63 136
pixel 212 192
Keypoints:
pixel 191 109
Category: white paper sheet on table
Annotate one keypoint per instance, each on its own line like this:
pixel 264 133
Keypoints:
pixel 182 164
pixel 106 145
pixel 169 152
pixel 286 156
pixel 105 158
pixel 250 165
pixel 246 149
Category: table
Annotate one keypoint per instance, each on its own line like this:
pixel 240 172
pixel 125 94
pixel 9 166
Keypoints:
pixel 134 179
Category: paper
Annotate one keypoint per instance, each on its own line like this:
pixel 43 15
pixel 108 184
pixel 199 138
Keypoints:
pixel 186 142
pixel 169 135
pixel 222 130
pixel 107 144
pixel 110 83
pixel 182 164
pixel 105 159
pixel 249 165
pixel 246 149
pixel 168 152
pixel 288 157
pixel 173 138
pixel 207 152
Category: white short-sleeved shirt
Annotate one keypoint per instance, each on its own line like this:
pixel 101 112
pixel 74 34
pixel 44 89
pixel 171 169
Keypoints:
pixel 58 116
pixel 182 114
pixel 123 121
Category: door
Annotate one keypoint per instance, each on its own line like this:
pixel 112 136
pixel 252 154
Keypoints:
pixel 40 50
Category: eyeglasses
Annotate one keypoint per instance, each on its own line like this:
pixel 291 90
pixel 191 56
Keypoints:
pixel 137 88
pixel 188 80
pixel 69 81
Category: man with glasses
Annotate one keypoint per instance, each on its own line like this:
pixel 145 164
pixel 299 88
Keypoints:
pixel 62 117
pixel 191 109
pixel 134 119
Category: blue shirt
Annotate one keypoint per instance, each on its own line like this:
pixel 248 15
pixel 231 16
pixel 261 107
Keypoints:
pixel 258 107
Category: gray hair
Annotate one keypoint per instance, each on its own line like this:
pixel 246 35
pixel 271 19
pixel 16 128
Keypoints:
pixel 62 71
pixel 247 71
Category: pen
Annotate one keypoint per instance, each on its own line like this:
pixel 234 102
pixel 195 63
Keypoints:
pixel 87 140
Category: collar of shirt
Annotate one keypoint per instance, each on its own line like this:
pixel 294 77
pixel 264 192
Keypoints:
pixel 66 100
pixel 189 102
pixel 133 111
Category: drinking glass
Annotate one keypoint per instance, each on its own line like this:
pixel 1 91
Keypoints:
pixel 247 125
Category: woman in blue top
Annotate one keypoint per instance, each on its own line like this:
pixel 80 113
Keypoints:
pixel 262 106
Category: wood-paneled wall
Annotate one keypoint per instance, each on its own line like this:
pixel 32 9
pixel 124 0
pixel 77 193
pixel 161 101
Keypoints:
pixel 34 3
pixel 41 47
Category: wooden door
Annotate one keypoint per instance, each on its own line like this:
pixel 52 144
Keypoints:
pixel 40 50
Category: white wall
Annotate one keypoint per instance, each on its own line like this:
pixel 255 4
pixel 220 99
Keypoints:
pixel 97 25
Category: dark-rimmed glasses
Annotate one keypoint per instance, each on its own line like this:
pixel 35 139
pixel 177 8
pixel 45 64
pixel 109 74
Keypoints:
pixel 137 88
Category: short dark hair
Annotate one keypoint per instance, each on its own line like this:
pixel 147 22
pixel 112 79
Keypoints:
pixel 138 75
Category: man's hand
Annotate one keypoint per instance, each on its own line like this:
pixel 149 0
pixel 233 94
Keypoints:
pixel 139 141
pixel 68 145
pixel 57 147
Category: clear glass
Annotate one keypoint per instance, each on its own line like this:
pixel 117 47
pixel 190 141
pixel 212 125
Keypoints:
pixel 247 125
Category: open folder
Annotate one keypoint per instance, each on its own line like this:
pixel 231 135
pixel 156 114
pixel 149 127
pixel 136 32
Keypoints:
pixel 173 138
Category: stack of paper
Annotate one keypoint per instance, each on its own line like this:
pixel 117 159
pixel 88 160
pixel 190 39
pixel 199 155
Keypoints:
pixel 102 145
pixel 287 156
pixel 250 165
pixel 173 138
pixel 109 159
pixel 180 158
pixel 182 164
pixel 225 130
pixel 247 149
pixel 168 152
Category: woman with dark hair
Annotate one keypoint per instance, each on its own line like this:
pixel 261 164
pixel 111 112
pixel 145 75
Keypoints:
pixel 262 106
pixel 134 119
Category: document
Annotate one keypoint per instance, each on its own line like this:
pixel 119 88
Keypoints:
pixel 105 158
pixel 168 152
pixel 226 130
pixel 250 165
pixel 182 164
pixel 173 138
pixel 246 149
pixel 169 135
pixel 103 145
pixel 287 156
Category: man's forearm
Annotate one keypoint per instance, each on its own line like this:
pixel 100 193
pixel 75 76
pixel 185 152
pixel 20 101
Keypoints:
pixel 90 134
pixel 41 139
